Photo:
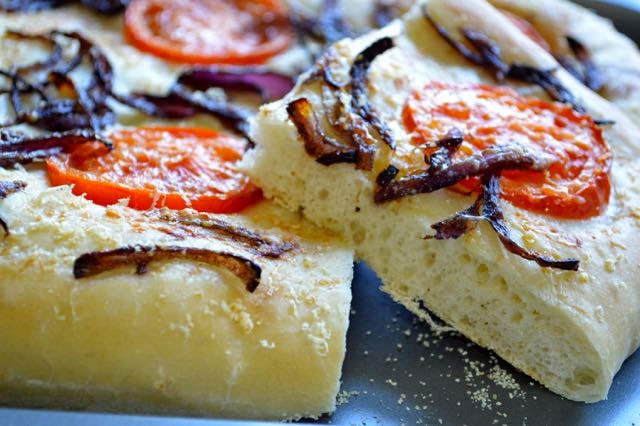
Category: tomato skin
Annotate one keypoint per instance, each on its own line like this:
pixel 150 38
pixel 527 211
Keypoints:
pixel 206 32
pixel 576 186
pixel 199 174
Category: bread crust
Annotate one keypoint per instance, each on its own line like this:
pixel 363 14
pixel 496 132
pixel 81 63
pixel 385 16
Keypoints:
pixel 616 55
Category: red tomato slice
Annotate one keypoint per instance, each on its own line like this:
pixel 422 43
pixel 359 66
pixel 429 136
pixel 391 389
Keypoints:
pixel 528 29
pixel 209 31
pixel 577 184
pixel 159 167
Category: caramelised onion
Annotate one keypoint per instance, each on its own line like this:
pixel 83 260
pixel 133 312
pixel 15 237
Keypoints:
pixel 586 70
pixel 327 27
pixel 492 214
pixel 487 54
pixel 547 81
pixel 7 188
pixel 18 148
pixel 107 7
pixel 447 146
pixel 269 85
pixel 487 207
pixel 214 226
pixel 88 108
pixel 359 93
pixel 325 150
pixel 94 263
pixel 491 160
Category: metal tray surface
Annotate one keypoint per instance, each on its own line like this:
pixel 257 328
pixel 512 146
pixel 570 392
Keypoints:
pixel 397 371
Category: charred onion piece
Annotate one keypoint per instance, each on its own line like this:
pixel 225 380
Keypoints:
pixel 327 27
pixel 325 150
pixel 95 263
pixel 269 85
pixel 30 5
pixel 237 234
pixel 103 6
pixel 492 214
pixel 386 176
pixel 459 224
pixel 18 148
pixel 447 146
pixel 490 160
pixel 488 56
pixel 457 45
pixel 547 81
pixel 107 7
pixel 233 116
pixel 359 92
pixel 7 188
pixel 489 199
pixel 590 74
pixel 489 51
pixel 383 13
pixel 49 62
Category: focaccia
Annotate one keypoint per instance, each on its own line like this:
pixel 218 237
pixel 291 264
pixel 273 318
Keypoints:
pixel 556 295
pixel 150 310
pixel 184 338
pixel 567 29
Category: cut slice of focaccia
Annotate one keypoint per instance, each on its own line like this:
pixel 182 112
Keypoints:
pixel 513 218
pixel 82 331
pixel 118 304
pixel 586 44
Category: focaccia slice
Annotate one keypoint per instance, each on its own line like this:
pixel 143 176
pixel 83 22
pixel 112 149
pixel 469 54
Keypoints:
pixel 111 308
pixel 185 337
pixel 570 330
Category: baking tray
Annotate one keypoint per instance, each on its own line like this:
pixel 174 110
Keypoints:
pixel 397 371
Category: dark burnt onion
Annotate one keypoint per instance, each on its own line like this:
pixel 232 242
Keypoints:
pixel 269 85
pixel 95 263
pixel 360 103
pixel 7 188
pixel 547 81
pixel 491 160
pixel 108 7
pixel 487 54
pixel 54 57
pixel 386 176
pixel 447 146
pixel 487 207
pixel 491 213
pixel 585 70
pixel 219 228
pixel 18 148
pixel 88 107
pixel 325 150
pixel 327 27
pixel 384 11
pixel 459 224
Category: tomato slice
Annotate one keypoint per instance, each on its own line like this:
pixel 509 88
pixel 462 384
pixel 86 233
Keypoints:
pixel 209 31
pixel 576 186
pixel 528 29
pixel 159 167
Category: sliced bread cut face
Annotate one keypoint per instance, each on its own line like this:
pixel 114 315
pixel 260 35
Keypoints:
pixel 186 337
pixel 570 330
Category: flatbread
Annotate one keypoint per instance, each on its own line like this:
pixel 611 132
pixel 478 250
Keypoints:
pixel 569 330
pixel 614 54
pixel 186 337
